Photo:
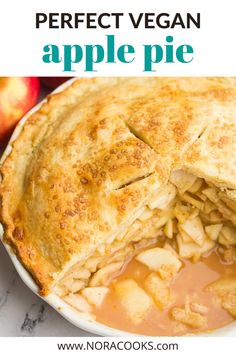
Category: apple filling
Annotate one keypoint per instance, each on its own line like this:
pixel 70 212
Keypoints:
pixel 184 220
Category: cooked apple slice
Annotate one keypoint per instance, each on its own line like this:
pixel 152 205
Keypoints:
pixel 196 186
pixel 134 300
pixel 228 254
pixel 223 285
pixel 227 236
pixel 225 288
pixel 188 317
pixel 159 290
pixel 168 229
pixel 161 221
pixel 72 285
pixel 163 197
pixel 229 303
pixel 211 193
pixel 201 196
pixel 213 231
pixel 78 302
pixel 182 180
pixel 186 197
pixel 209 207
pixel 76 285
pixel 215 217
pixel 226 197
pixel 183 212
pixel 80 274
pixel 199 308
pixel 191 249
pixel 193 227
pixel 168 247
pixel 185 237
pixel 95 295
pixel 160 260
pixel 104 275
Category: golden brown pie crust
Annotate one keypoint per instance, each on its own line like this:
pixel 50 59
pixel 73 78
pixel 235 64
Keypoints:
pixel 84 164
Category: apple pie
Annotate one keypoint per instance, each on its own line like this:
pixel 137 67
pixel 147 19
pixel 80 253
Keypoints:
pixel 118 188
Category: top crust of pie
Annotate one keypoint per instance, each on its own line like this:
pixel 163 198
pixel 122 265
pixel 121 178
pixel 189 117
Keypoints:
pixel 85 164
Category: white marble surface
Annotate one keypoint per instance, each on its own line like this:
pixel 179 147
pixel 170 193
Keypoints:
pixel 22 313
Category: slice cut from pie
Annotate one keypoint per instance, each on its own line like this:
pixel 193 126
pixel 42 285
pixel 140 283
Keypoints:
pixel 116 168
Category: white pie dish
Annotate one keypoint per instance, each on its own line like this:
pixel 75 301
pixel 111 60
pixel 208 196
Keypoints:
pixel 53 300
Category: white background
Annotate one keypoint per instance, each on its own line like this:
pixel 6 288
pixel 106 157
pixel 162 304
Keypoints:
pixel 193 345
pixel 21 44
pixel 21 55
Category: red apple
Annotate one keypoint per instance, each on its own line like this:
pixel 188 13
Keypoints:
pixel 53 82
pixel 17 96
